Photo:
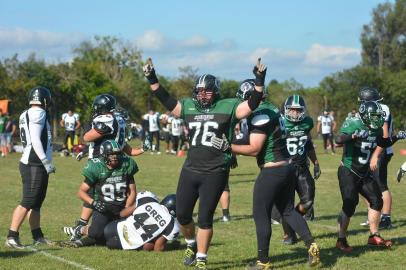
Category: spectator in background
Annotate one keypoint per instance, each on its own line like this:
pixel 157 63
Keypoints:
pixel 3 143
pixel 166 129
pixel 70 121
pixel 153 124
pixel 326 126
pixel 176 132
pixel 10 131
pixel 351 115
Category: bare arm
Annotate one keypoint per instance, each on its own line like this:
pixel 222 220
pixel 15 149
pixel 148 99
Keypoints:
pixel 160 243
pixel 243 110
pixel 132 151
pixel 82 193
pixel 92 135
pixel 256 142
pixel 77 124
pixel 131 195
pixel 126 212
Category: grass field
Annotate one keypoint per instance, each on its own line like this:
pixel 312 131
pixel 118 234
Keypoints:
pixel 233 244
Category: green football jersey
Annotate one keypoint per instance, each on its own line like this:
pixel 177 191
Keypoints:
pixel 202 125
pixel 298 135
pixel 110 185
pixel 267 119
pixel 357 153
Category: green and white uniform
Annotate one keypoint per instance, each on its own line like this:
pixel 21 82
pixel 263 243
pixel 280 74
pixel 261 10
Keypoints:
pixel 110 185
pixel 298 139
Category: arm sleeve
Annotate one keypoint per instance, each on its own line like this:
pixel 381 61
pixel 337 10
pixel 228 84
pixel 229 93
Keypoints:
pixel 384 142
pixel 36 125
pixel 343 138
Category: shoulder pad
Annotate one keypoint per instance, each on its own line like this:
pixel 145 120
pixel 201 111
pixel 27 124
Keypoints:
pixel 37 115
pixel 107 118
pixel 64 115
pixel 260 120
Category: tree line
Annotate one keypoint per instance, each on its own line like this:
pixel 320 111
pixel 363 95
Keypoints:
pixel 106 64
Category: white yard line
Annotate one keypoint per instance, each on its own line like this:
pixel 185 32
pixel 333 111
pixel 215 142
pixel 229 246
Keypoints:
pixel 57 258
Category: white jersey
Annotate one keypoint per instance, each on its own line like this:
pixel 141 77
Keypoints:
pixel 35 134
pixel 148 221
pixel 176 126
pixel 153 120
pixel 70 121
pixel 388 119
pixel 326 124
pixel 117 126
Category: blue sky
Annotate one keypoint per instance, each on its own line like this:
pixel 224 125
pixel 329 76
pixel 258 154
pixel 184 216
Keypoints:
pixel 305 40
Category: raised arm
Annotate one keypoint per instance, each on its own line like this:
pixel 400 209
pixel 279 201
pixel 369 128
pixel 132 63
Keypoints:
pixel 159 91
pixel 245 108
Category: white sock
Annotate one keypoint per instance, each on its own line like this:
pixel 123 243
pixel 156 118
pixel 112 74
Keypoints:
pixel 404 166
pixel 190 242
pixel 201 255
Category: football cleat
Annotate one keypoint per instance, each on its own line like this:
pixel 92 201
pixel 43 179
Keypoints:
pixel 80 156
pixel 43 241
pixel 190 255
pixel 314 254
pixel 226 218
pixel 365 223
pixel 400 174
pixel 258 265
pixel 75 233
pixel 13 242
pixel 342 245
pixel 290 240
pixel 274 222
pixel 201 264
pixel 375 240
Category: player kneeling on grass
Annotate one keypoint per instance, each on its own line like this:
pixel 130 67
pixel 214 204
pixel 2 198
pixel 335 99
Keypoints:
pixel 360 137
pixel 149 225
pixel 112 177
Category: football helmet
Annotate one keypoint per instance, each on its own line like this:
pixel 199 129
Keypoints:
pixel 245 89
pixel 206 91
pixel 369 94
pixel 295 108
pixel 170 203
pixel 102 104
pixel 40 96
pixel 371 114
pixel 111 153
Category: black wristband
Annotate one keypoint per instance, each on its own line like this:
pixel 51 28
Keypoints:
pixel 254 100
pixel 166 100
pixel 259 80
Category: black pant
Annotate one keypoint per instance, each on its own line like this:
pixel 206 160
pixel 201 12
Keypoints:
pixel 330 138
pixel 381 173
pixel 175 142
pixel 351 185
pixel 207 187
pixel 111 235
pixel 99 222
pixel 276 185
pixel 35 184
pixel 305 186
pixel 155 135
pixel 71 135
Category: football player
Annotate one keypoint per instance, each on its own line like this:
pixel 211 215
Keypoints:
pixel 360 137
pixel 326 127
pixel 401 172
pixel 106 125
pixel 149 224
pixel 112 178
pixel 69 121
pixel 300 146
pixel 205 171
pixel 35 167
pixel 275 183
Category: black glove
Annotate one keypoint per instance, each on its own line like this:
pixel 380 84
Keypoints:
pixel 233 162
pixel 316 171
pixel 221 144
pixel 99 206
pixel 102 128
pixel 149 72
pixel 259 72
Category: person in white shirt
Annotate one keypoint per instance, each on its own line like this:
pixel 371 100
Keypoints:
pixel 149 224
pixel 35 166
pixel 153 129
pixel 176 131
pixel 326 126
pixel 166 130
pixel 69 121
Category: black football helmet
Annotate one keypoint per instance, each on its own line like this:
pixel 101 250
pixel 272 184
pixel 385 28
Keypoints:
pixel 40 96
pixel 170 203
pixel 371 114
pixel 109 148
pixel 206 82
pixel 294 108
pixel 102 104
pixel 369 94
pixel 245 89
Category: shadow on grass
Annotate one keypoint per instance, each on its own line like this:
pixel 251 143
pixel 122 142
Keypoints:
pixel 334 216
pixel 242 174
pixel 233 218
pixel 9 254
pixel 233 181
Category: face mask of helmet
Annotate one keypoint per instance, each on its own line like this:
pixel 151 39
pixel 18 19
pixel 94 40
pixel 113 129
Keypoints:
pixel 372 114
pixel 111 153
pixel 206 91
pixel 295 108
pixel 170 203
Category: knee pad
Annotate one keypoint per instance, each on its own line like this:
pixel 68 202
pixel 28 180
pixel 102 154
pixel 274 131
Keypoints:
pixel 205 225
pixel 30 203
pixel 349 207
pixel 183 220
pixel 376 204
pixel 307 205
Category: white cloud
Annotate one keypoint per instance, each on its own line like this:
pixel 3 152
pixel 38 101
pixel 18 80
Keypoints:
pixel 151 40
pixel 333 56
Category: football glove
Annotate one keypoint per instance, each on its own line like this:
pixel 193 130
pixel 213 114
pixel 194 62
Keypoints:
pixel 99 206
pixel 316 171
pixel 401 135
pixel 233 162
pixel 49 167
pixel 259 72
pixel 221 144
pixel 361 133
pixel 149 72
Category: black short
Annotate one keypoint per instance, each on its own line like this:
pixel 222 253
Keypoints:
pixel 71 135
pixel 352 185
pixel 167 136
pixel 35 184
pixel 205 187
pixel 381 173
pixel 305 186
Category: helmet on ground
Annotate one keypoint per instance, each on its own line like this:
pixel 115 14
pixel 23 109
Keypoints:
pixel 170 203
